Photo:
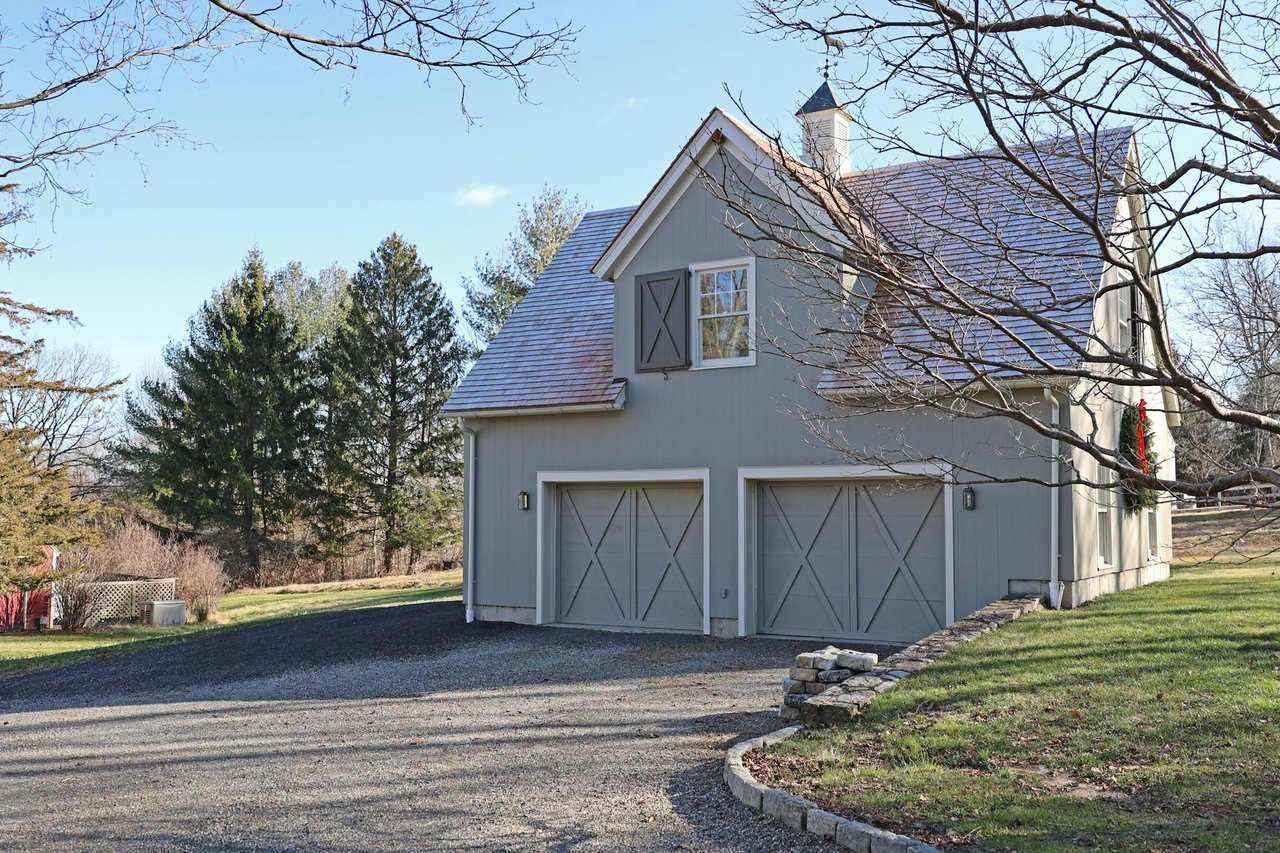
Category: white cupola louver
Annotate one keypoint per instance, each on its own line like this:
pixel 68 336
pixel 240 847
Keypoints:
pixel 826 132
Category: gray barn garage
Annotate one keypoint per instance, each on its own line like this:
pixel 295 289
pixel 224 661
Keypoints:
pixel 636 458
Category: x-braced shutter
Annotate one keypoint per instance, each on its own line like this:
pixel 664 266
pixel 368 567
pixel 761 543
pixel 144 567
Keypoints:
pixel 662 320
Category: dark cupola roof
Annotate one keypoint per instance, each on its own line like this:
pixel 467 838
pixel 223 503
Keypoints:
pixel 823 99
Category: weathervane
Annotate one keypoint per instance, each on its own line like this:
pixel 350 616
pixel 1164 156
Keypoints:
pixel 830 43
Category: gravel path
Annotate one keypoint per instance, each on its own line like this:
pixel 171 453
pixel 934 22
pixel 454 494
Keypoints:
pixel 392 729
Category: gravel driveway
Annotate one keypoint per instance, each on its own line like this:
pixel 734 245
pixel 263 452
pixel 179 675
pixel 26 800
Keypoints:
pixel 394 729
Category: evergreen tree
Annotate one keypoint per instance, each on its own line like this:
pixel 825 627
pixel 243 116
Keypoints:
pixel 222 442
pixel 36 504
pixel 503 279
pixel 389 369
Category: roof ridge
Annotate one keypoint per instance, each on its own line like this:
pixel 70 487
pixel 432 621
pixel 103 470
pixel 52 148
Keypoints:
pixel 1123 130
pixel 602 212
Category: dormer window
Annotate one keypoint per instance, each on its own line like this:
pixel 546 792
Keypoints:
pixel 724 312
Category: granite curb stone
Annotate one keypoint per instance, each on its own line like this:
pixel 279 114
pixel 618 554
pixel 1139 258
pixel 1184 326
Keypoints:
pixel 801 814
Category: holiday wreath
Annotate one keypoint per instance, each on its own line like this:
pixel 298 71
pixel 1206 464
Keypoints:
pixel 1135 432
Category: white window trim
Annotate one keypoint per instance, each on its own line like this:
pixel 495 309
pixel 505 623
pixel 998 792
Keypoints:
pixel 1153 526
pixel 749 475
pixel 1105 504
pixel 1124 306
pixel 695 314
pixel 1104 508
pixel 546 514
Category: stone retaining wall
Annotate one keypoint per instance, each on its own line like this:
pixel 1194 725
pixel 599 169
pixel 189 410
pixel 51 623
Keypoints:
pixel 832 685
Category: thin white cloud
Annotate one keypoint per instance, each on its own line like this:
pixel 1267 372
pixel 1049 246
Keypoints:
pixel 480 195
pixel 621 108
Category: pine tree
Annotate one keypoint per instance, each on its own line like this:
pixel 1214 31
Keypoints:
pixel 315 303
pixel 223 441
pixel 15 349
pixel 390 368
pixel 36 504
pixel 503 279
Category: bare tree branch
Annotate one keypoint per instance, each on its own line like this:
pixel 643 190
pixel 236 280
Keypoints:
pixel 1127 138
pixel 115 51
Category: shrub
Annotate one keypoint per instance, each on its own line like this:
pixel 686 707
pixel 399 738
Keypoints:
pixel 136 550
pixel 74 601
pixel 201 580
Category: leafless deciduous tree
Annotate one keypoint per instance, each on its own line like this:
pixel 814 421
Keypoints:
pixel 101 57
pixel 70 415
pixel 1127 135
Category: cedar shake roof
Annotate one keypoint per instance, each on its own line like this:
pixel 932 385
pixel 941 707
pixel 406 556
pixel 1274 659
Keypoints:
pixel 557 348
pixel 556 351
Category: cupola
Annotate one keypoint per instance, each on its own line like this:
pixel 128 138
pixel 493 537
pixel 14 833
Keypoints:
pixel 826 132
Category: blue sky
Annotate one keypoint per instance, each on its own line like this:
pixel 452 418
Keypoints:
pixel 319 167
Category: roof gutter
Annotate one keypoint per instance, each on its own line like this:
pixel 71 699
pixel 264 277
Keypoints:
pixel 838 395
pixel 516 411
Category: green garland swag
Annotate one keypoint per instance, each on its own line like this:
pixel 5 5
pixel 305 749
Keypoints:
pixel 1137 495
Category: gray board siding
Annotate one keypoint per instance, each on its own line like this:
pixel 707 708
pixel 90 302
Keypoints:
pixel 724 418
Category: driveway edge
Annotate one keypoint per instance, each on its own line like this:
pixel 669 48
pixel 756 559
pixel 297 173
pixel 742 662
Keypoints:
pixel 801 814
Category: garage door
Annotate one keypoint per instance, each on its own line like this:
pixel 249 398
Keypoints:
pixel 851 560
pixel 630 555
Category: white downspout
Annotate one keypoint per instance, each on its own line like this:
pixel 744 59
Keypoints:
pixel 1055 584
pixel 469 524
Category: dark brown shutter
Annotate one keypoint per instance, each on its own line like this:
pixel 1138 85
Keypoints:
pixel 662 320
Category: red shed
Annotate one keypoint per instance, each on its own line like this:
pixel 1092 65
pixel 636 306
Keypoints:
pixel 37 602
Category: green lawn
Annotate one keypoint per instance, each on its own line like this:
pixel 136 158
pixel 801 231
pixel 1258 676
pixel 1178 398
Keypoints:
pixel 30 651
pixel 1147 720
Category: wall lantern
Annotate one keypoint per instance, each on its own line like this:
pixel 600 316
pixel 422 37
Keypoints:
pixel 969 497
pixel 523 500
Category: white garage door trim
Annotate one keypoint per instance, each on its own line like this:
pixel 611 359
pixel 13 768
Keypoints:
pixel 916 470
pixel 548 481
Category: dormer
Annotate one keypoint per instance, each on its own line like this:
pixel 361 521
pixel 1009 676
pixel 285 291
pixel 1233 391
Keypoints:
pixel 826 133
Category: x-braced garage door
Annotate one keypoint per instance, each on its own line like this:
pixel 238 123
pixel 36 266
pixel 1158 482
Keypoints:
pixel 630 555
pixel 851 560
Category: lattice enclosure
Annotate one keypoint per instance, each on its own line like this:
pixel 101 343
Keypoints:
pixel 123 599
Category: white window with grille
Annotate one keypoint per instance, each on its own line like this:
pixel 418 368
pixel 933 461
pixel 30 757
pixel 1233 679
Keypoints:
pixel 1153 535
pixel 724 313
pixel 1106 545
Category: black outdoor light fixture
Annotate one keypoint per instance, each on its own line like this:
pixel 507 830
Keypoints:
pixel 523 500
pixel 970 497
